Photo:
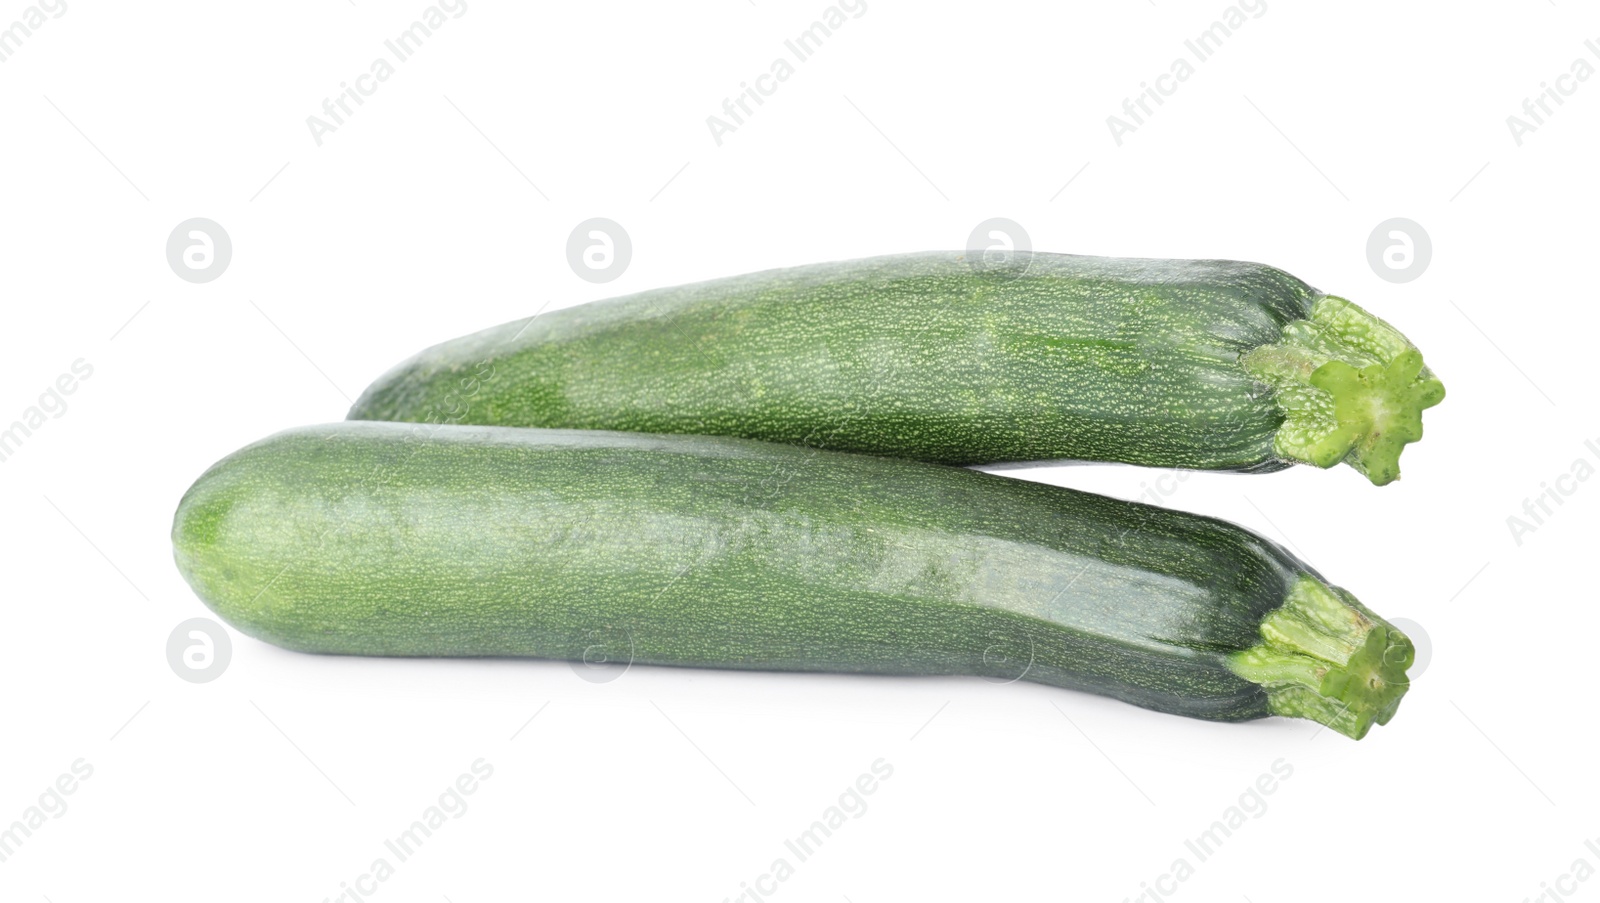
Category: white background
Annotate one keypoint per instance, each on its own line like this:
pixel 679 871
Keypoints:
pixel 444 205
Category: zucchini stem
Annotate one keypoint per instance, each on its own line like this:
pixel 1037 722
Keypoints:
pixel 1326 657
pixel 1350 386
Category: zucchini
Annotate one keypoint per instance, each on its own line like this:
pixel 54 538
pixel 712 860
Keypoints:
pixel 1203 364
pixel 410 540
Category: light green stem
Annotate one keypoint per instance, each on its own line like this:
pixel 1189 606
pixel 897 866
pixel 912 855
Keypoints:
pixel 1351 389
pixel 1326 657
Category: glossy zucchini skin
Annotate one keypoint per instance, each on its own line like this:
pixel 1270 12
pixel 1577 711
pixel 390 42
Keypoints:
pixel 924 356
pixel 410 540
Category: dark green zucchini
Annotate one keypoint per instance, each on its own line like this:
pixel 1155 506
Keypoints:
pixel 1176 363
pixel 411 540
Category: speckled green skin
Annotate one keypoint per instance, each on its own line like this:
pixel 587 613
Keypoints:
pixel 918 355
pixel 413 540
